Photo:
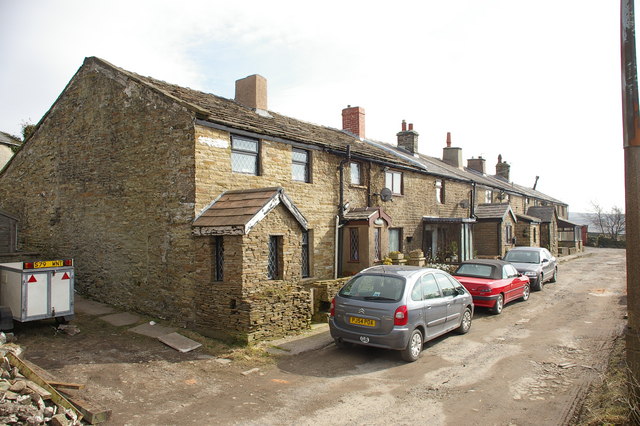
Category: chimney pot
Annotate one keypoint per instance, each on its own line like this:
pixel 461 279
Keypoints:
pixel 353 120
pixel 408 139
pixel 448 139
pixel 251 92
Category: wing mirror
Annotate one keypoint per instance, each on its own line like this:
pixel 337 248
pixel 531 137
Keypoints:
pixel 545 260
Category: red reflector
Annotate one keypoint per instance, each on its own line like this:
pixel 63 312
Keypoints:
pixel 65 277
pixel 67 262
pixel 332 311
pixel 32 279
pixel 401 317
pixel 27 265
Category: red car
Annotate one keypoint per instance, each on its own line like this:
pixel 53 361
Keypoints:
pixel 492 283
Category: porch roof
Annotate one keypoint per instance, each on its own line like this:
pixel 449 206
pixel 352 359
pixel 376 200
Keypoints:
pixel 367 214
pixel 545 213
pixel 237 212
pixel 564 223
pixel 527 218
pixel 494 211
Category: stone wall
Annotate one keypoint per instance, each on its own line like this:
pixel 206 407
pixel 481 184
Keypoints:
pixel 485 238
pixel 107 179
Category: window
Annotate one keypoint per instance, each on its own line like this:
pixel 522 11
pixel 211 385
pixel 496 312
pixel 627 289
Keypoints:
pixel 356 176
pixel 535 231
pixel 393 181
pixel 508 233
pixel 488 196
pixel 510 271
pixel 300 169
pixel 354 243
pixel 377 249
pixel 273 266
pixel 305 254
pixel 218 259
pixel 244 155
pixel 440 191
pixel 395 239
pixel 430 289
pixel 446 286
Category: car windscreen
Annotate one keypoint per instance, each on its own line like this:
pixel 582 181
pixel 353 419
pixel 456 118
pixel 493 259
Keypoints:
pixel 475 270
pixel 374 287
pixel 522 256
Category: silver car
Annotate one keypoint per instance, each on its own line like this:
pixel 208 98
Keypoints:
pixel 399 307
pixel 537 263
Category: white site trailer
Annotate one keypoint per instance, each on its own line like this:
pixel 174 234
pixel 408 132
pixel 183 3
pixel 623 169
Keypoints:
pixel 36 290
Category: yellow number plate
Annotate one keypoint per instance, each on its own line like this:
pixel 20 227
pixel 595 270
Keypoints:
pixel 362 321
pixel 47 264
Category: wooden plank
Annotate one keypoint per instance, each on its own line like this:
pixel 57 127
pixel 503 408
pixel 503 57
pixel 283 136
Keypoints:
pixel 44 394
pixel 93 413
pixel 64 385
pixel 26 371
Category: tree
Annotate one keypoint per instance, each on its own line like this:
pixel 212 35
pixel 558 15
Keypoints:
pixel 611 224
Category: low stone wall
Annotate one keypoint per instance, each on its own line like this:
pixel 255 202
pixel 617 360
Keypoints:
pixel 278 311
pixel 322 292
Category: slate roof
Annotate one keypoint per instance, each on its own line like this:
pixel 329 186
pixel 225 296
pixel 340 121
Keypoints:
pixel 209 108
pixel 545 213
pixel 494 211
pixel 7 139
pixel 236 212
pixel 527 218
pixel 228 112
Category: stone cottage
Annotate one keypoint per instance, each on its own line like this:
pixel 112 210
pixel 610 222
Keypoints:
pixel 219 214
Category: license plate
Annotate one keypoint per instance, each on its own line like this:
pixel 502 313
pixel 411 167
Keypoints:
pixel 47 264
pixel 362 321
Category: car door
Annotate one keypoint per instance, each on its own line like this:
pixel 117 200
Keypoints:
pixel 435 306
pixel 449 294
pixel 547 265
pixel 516 285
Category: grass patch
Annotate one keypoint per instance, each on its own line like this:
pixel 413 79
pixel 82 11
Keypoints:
pixel 608 401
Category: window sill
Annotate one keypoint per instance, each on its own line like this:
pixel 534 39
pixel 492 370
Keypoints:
pixel 351 185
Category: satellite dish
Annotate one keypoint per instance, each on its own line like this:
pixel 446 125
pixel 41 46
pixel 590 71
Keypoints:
pixel 464 204
pixel 385 194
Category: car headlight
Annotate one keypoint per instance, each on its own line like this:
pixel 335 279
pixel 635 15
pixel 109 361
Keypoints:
pixel 531 273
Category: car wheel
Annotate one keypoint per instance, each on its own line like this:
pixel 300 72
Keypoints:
pixel 414 347
pixel 465 324
pixel 497 308
pixel 539 283
pixel 526 293
pixel 554 278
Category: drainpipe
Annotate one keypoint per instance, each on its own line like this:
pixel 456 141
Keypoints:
pixel 472 210
pixel 338 246
pixel 337 269
pixel 341 168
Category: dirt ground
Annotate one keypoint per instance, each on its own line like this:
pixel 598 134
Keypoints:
pixel 530 365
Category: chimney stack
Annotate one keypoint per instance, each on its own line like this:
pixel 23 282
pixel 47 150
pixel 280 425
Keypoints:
pixel 408 139
pixel 477 164
pixel 502 168
pixel 252 92
pixel 452 155
pixel 353 120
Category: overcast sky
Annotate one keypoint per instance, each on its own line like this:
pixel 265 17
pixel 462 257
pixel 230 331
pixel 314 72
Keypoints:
pixel 536 81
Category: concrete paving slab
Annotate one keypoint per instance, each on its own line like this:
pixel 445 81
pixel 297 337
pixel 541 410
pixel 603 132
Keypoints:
pixel 155 330
pixel 90 307
pixel 120 319
pixel 179 342
pixel 317 338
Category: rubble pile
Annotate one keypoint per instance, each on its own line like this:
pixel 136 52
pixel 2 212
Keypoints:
pixel 23 402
